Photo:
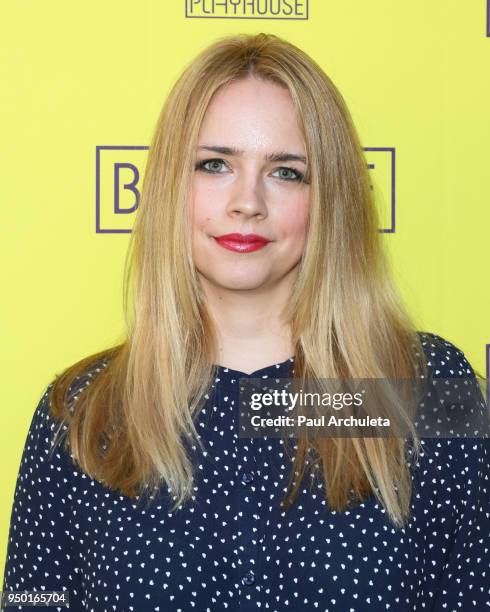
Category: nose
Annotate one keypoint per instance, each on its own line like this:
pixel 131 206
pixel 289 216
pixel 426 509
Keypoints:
pixel 247 196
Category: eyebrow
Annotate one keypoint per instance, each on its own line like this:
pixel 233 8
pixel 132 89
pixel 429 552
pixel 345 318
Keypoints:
pixel 273 157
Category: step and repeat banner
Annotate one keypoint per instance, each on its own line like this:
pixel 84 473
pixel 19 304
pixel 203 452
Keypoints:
pixel 83 84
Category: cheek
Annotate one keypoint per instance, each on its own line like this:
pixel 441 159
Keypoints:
pixel 295 222
pixel 202 206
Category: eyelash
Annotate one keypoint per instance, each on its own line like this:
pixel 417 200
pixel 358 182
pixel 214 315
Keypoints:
pixel 300 177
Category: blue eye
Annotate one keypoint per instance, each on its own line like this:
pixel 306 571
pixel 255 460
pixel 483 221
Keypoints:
pixel 285 175
pixel 213 163
pixel 298 177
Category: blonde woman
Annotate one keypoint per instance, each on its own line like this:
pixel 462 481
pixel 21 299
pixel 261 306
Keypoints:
pixel 255 254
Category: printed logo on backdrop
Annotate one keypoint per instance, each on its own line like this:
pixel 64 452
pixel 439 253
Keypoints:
pixel 119 173
pixel 246 9
pixel 381 162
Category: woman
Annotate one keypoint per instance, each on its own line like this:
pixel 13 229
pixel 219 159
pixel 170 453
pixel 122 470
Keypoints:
pixel 253 140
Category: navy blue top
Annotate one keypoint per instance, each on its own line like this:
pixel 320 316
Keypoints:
pixel 234 548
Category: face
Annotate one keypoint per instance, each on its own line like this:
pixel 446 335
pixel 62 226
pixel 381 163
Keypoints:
pixel 249 178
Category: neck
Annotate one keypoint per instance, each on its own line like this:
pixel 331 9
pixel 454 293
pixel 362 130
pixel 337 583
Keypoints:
pixel 249 327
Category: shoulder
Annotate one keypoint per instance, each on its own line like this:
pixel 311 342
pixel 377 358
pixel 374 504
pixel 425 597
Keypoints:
pixel 45 427
pixel 81 382
pixel 457 448
pixel 452 398
pixel 444 359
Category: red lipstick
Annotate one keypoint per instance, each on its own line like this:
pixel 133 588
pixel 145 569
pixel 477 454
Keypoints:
pixel 241 243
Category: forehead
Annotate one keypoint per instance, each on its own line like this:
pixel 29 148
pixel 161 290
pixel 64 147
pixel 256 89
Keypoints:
pixel 252 113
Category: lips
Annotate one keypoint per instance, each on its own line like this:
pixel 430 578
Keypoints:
pixel 242 243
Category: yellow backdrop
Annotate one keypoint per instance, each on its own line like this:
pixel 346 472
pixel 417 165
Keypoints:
pixel 80 79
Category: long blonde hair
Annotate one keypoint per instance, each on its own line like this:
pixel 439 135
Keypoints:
pixel 131 421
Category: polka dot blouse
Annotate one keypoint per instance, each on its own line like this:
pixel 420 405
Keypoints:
pixel 234 548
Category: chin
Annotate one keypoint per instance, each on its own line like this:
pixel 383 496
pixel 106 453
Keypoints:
pixel 243 282
pixel 237 283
